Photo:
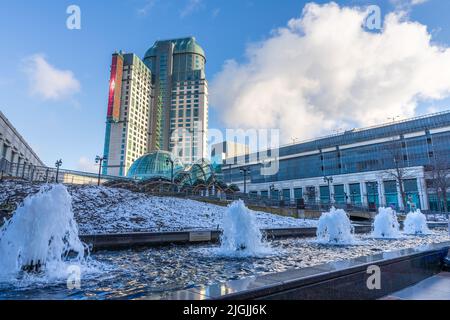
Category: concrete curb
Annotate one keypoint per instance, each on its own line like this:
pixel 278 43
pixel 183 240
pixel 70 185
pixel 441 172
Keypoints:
pixel 141 239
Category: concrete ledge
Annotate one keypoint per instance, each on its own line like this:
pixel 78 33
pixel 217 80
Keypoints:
pixel 139 239
pixel 130 240
pixel 305 232
pixel 435 225
pixel 335 280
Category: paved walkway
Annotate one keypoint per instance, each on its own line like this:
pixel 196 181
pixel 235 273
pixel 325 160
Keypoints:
pixel 434 288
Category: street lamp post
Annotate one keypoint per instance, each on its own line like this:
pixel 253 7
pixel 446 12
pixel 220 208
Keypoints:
pixel 245 171
pixel 99 160
pixel 57 165
pixel 168 160
pixel 272 193
pixel 328 180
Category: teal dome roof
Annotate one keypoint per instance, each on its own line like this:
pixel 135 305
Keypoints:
pixel 183 45
pixel 154 165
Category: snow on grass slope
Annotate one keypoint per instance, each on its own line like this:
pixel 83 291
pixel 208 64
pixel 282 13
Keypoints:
pixel 109 210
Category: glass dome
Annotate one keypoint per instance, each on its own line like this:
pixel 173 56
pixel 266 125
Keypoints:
pixel 154 165
pixel 200 172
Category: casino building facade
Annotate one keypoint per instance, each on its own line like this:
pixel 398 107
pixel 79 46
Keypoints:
pixel 385 165
pixel 16 155
pixel 157 103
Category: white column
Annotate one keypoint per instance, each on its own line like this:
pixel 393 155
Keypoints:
pixel 423 194
pixel 2 148
pixel 363 188
pixel 12 159
pixel 347 192
pixel 10 155
pixel 381 194
pixel 331 193
pixel 19 163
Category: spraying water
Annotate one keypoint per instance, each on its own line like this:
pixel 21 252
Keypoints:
pixel 334 227
pixel 416 224
pixel 41 237
pixel 386 224
pixel 241 235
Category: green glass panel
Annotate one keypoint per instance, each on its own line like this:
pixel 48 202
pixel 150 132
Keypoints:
pixel 339 194
pixel 324 194
pixel 286 194
pixel 298 193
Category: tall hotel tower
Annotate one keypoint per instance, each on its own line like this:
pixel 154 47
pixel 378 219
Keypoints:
pixel 159 103
pixel 127 121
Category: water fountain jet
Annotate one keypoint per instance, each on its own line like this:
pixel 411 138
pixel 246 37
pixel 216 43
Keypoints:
pixel 241 235
pixel 335 228
pixel 416 224
pixel 41 235
pixel 386 224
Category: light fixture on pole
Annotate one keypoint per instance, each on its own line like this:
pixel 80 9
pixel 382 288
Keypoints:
pixel 170 161
pixel 58 164
pixel 245 170
pixel 99 160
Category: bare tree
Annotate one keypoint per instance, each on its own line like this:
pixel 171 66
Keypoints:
pixel 440 177
pixel 396 150
pixel 310 194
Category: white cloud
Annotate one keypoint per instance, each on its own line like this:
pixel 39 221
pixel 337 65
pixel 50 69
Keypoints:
pixel 324 71
pixel 48 82
pixel 87 165
pixel 215 13
pixel 191 6
pixel 407 4
pixel 147 7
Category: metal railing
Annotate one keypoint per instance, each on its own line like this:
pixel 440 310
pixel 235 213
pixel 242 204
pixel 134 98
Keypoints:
pixel 46 174
pixel 258 201
pixel 34 173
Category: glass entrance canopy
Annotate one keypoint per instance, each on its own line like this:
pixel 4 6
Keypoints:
pixel 155 165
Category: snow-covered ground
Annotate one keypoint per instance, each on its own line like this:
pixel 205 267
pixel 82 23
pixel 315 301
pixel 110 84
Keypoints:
pixel 109 210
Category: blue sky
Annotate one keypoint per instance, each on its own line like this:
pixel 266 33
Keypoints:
pixel 72 127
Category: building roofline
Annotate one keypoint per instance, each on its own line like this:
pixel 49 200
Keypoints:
pixel 355 130
pixel 178 38
pixel 9 124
